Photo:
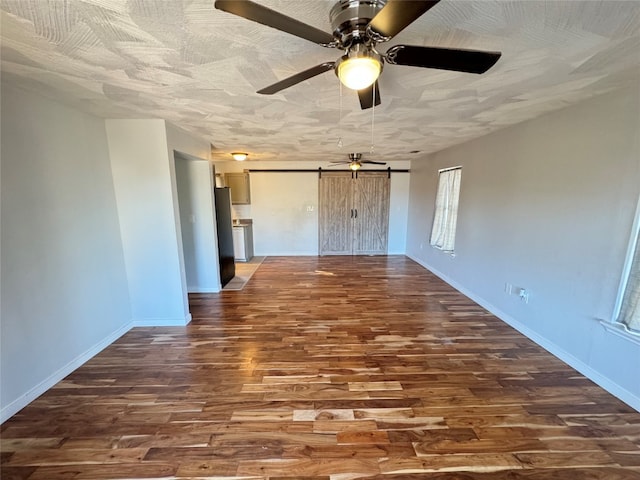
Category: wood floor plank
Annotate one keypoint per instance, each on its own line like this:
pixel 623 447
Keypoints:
pixel 330 368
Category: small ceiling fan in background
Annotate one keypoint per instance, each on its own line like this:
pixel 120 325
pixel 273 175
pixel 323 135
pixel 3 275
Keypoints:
pixel 358 27
pixel 355 162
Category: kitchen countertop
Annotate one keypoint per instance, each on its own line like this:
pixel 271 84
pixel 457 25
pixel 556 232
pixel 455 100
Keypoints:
pixel 242 222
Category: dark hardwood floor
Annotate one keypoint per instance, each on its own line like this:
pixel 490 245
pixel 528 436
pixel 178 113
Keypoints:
pixel 336 368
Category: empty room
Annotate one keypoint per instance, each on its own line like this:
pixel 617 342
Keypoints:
pixel 320 239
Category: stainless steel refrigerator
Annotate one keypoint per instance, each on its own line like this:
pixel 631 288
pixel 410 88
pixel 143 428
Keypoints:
pixel 225 234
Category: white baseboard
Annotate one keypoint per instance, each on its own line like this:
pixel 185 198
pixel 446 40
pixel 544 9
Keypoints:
pixel 11 409
pixel 18 404
pixel 203 289
pixel 162 322
pixel 313 253
pixel 620 392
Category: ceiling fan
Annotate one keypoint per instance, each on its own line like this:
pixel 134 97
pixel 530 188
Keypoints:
pixel 355 162
pixel 358 27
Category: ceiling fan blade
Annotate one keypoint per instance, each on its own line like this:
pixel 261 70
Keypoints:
pixel 396 15
pixel 297 78
pixel 374 163
pixel 367 95
pixel 265 16
pixel 459 60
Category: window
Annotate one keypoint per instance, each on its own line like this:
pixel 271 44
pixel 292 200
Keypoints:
pixel 630 308
pixel 443 232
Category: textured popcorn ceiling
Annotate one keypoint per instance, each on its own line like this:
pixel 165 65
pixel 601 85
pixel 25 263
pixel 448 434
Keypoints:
pixel 199 68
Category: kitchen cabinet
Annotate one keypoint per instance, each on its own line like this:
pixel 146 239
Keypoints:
pixel 243 242
pixel 353 213
pixel 240 187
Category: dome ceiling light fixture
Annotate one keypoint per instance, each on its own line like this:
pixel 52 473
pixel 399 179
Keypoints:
pixel 358 27
pixel 239 156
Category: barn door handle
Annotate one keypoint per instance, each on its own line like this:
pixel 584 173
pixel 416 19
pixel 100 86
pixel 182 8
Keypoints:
pixel 352 213
pixel 356 210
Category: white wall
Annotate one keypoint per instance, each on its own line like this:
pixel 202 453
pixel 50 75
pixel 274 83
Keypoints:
pixel 178 140
pixel 398 213
pixel 194 180
pixel 546 205
pixel 284 206
pixel 146 194
pixel 64 288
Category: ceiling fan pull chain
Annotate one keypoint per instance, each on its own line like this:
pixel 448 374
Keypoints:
pixel 340 118
pixel 373 117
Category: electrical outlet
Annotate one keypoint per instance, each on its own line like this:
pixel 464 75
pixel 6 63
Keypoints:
pixel 524 295
pixel 520 292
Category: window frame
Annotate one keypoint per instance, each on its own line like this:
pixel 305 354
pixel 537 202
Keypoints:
pixel 614 325
pixel 435 211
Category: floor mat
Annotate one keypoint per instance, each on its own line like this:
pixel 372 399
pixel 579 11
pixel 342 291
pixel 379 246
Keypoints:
pixel 244 271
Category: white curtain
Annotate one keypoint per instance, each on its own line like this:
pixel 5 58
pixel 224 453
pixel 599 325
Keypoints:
pixel 630 312
pixel 443 232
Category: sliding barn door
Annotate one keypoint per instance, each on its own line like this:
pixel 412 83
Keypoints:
pixel 353 213
pixel 335 226
pixel 371 222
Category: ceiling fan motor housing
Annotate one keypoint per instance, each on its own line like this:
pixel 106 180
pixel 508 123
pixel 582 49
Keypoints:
pixel 350 18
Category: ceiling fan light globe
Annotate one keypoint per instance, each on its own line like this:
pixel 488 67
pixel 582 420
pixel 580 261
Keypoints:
pixel 357 73
pixel 354 166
